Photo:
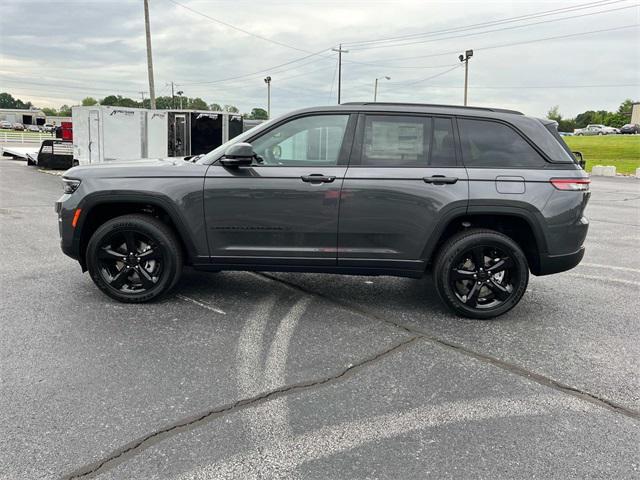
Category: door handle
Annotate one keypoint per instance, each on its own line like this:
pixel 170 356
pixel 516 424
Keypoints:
pixel 317 178
pixel 440 180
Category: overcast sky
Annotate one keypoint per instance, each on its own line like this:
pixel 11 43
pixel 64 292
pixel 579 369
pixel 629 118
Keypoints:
pixel 55 52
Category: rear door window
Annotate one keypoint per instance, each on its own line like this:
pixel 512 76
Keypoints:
pixel 492 144
pixel 396 141
pixel 408 141
pixel 443 150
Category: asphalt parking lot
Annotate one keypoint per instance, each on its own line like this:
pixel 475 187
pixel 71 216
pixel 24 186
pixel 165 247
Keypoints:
pixel 241 375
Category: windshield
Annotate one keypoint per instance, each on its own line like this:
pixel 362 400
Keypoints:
pixel 216 153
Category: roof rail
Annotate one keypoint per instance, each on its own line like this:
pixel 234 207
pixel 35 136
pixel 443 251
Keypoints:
pixel 487 109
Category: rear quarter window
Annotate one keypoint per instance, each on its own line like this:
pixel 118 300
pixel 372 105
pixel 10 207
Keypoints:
pixel 495 145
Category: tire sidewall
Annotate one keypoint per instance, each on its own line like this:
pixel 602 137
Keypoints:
pixel 147 228
pixel 473 239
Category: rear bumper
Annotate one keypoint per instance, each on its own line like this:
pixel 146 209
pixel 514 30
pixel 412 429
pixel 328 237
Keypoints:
pixel 559 263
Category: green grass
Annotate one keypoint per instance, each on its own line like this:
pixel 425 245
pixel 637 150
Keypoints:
pixel 623 151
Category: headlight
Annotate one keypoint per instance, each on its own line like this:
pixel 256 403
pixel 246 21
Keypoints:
pixel 70 185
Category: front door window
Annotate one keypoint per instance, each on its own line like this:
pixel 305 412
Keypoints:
pixel 309 141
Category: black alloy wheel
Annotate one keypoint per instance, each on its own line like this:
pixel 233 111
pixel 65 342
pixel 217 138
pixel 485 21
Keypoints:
pixel 481 273
pixel 483 277
pixel 134 258
pixel 129 261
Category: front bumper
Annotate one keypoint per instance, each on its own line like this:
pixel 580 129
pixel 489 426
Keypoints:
pixel 69 243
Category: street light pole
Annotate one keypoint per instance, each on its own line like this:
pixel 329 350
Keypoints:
pixel 340 52
pixel 152 92
pixel 465 58
pixel 179 93
pixel 375 88
pixel 267 80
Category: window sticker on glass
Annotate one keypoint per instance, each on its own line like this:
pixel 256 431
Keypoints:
pixel 396 141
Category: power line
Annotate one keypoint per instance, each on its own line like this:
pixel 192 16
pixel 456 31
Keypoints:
pixel 333 79
pixel 257 72
pixel 245 83
pixel 514 87
pixel 67 86
pixel 226 24
pixel 536 40
pixel 496 29
pixel 413 82
pixel 387 65
pixel 485 24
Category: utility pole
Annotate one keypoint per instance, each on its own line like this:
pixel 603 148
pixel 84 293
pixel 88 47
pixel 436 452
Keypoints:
pixel 340 52
pixel 173 97
pixel 267 80
pixel 142 95
pixel 465 58
pixel 375 88
pixel 152 91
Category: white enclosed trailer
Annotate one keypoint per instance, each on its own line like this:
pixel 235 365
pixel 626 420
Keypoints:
pixel 102 133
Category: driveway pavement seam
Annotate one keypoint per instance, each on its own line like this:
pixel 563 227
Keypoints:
pixel 133 448
pixel 504 365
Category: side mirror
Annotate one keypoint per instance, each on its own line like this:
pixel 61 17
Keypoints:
pixel 238 155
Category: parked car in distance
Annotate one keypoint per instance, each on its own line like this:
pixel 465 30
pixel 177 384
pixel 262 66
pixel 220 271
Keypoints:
pixel 593 129
pixel 478 197
pixel 33 128
pixel 596 129
pixel 48 127
pixel 5 124
pixel 630 128
pixel 17 126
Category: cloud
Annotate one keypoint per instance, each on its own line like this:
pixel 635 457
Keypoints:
pixel 60 52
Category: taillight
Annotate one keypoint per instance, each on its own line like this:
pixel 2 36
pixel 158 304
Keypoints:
pixel 575 184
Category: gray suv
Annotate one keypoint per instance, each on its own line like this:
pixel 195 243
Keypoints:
pixel 480 197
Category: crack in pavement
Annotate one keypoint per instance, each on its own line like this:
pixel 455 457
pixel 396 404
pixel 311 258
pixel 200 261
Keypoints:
pixel 133 448
pixel 504 365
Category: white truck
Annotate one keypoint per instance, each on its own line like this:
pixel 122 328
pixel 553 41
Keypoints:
pixel 104 133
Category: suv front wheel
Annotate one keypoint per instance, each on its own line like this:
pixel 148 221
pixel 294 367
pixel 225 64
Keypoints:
pixel 481 273
pixel 134 258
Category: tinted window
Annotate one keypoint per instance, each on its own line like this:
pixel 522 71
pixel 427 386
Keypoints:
pixel 396 141
pixel 304 141
pixel 443 149
pixel 492 144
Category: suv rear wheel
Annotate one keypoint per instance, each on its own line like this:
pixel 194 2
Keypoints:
pixel 134 258
pixel 481 273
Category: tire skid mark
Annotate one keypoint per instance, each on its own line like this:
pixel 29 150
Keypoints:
pixel 133 448
pixel 505 365
pixel 610 267
pixel 267 422
pixel 604 279
pixel 330 440
pixel 201 304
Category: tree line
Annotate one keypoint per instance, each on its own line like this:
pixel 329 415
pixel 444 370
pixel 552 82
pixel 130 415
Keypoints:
pixel 164 103
pixel 611 119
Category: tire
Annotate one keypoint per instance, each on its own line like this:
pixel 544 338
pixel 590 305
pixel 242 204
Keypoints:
pixel 134 258
pixel 485 295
